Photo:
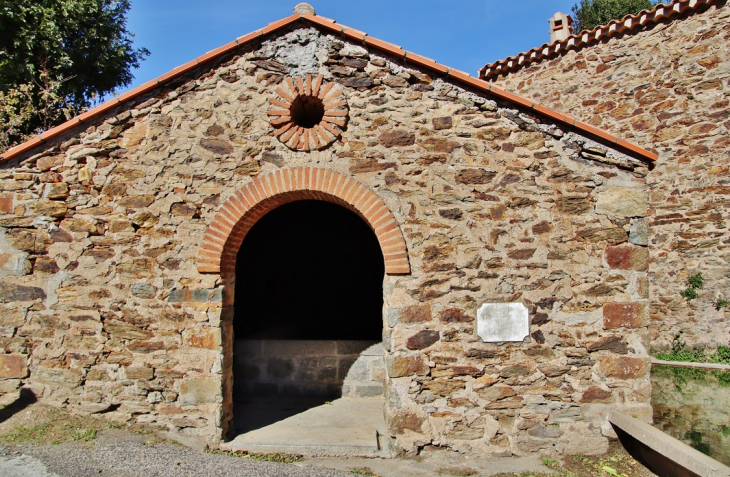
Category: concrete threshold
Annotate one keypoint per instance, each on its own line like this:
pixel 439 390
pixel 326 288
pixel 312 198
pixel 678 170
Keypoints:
pixel 685 364
pixel 344 427
pixel 661 453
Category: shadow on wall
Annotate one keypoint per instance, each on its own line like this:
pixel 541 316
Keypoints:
pixel 276 379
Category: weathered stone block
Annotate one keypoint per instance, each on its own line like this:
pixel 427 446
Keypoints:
pixel 13 366
pixel 145 346
pixel 475 176
pixel 10 293
pixel 410 314
pixel 626 315
pixel 444 387
pixel 596 394
pixel 406 420
pixel 613 343
pixel 115 189
pixel 6 203
pixel 628 258
pixel 45 264
pixel 138 372
pixel 51 208
pixel 205 338
pixel 442 123
pixel 639 232
pixel 196 391
pixel 143 290
pixel 623 202
pixel 137 268
pixel 136 201
pixel 48 162
pixel 397 138
pixel 624 367
pixel 57 190
pixel 496 393
pixel 455 315
pixel 406 365
pixel 422 339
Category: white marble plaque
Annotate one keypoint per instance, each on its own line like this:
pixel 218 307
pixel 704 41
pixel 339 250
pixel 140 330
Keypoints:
pixel 503 322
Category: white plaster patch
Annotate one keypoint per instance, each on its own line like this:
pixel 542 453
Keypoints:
pixel 498 322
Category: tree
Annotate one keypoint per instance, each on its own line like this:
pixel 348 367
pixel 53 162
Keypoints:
pixel 61 56
pixel 590 13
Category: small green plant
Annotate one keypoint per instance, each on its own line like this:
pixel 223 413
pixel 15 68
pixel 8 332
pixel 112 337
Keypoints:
pixel 721 303
pixel 549 462
pixel 364 471
pixel 689 294
pixel 84 435
pixel 694 282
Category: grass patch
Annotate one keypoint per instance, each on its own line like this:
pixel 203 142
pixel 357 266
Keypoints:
pixel 680 352
pixel 42 424
pixel 617 462
pixel 364 471
pixel 24 434
pixel 279 457
pixel 50 433
pixel 693 355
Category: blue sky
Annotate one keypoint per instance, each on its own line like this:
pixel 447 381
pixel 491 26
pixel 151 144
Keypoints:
pixel 462 34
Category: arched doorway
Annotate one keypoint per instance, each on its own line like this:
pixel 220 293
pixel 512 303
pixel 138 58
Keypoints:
pixel 242 210
pixel 308 303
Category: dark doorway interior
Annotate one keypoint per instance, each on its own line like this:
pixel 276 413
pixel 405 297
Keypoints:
pixel 309 270
pixel 308 303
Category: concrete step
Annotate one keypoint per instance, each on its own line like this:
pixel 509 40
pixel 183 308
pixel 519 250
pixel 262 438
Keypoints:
pixel 345 427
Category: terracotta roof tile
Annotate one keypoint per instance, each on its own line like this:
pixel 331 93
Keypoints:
pixel 383 46
pixel 628 24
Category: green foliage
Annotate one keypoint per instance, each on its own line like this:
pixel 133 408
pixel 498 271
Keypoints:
pixel 694 282
pixel 27 434
pixel 680 352
pixel 61 54
pixel 689 294
pixel 721 303
pixel 591 13
pixel 721 356
pixel 25 105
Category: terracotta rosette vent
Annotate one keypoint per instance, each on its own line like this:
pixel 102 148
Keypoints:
pixel 308 113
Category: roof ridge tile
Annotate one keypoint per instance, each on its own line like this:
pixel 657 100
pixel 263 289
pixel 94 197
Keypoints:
pixel 584 38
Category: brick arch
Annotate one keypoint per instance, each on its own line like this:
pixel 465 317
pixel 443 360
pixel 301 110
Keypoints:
pixel 243 209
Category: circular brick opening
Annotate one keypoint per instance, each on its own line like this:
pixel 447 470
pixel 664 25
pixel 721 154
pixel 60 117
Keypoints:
pixel 307 111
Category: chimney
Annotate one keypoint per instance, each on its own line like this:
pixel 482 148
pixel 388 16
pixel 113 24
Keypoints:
pixel 561 27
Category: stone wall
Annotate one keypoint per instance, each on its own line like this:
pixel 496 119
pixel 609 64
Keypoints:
pixel 666 89
pixel 103 307
pixel 327 369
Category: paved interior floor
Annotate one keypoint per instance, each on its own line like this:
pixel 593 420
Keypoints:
pixel 344 427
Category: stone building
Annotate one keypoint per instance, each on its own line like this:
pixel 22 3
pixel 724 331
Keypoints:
pixel 310 210
pixel 662 80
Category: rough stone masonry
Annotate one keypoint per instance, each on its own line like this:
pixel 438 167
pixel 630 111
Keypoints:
pixel 106 308
pixel 667 87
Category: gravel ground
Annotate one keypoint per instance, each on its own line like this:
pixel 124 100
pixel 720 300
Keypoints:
pixel 121 454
